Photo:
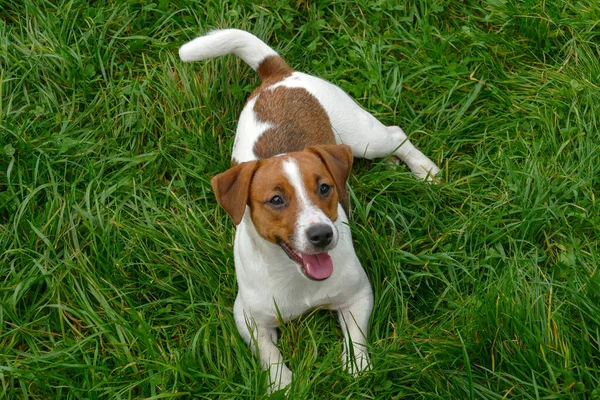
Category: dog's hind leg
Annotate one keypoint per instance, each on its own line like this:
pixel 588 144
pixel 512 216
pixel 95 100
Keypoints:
pixel 369 138
pixel 379 141
pixel 359 129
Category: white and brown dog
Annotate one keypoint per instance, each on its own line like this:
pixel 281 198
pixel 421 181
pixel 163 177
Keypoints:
pixel 286 192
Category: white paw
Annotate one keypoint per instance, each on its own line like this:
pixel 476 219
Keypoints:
pixel 280 377
pixel 359 363
pixel 427 169
pixel 421 166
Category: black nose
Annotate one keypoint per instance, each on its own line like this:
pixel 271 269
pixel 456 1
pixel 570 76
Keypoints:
pixel 320 235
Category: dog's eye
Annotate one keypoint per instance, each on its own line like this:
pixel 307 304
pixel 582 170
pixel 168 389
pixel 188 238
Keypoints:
pixel 324 189
pixel 276 201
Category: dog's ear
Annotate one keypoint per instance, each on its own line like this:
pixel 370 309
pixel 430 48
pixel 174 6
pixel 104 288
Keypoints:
pixel 338 160
pixel 232 189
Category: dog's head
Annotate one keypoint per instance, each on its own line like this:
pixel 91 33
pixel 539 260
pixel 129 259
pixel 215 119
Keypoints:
pixel 293 201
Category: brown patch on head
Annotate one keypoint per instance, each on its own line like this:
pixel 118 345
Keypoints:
pixel 338 160
pixel 315 176
pixel 320 182
pixel 298 121
pixel 274 204
pixel 273 221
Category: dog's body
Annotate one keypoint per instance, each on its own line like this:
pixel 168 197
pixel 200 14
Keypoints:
pixel 287 194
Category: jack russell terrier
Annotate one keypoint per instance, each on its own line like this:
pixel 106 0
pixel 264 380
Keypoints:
pixel 286 192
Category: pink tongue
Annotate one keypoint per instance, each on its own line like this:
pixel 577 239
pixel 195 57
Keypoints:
pixel 317 266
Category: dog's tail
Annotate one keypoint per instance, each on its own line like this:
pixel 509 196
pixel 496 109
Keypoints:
pixel 245 45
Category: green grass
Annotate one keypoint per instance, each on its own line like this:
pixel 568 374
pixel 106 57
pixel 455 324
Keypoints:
pixel 116 267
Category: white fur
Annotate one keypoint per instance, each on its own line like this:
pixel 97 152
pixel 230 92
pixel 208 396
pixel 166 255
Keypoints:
pixel 308 215
pixel 252 129
pixel 270 283
pixel 352 125
pixel 228 41
pixel 359 129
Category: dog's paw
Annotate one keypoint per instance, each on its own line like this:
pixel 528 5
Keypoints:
pixel 421 166
pixel 280 377
pixel 427 170
pixel 357 364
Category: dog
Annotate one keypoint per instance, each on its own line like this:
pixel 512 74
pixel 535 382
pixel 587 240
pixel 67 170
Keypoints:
pixel 286 193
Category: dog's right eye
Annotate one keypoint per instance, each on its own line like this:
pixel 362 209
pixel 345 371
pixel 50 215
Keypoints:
pixel 276 201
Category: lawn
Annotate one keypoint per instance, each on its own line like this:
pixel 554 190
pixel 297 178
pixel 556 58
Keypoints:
pixel 116 264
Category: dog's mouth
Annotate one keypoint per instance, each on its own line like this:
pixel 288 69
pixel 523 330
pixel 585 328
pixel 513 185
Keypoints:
pixel 314 266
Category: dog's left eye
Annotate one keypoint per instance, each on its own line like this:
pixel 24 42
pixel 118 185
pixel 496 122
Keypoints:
pixel 324 189
pixel 277 201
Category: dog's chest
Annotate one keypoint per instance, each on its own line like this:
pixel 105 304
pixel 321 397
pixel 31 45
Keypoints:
pixel 292 295
pixel 272 285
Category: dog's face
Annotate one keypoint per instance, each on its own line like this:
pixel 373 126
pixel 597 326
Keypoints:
pixel 293 201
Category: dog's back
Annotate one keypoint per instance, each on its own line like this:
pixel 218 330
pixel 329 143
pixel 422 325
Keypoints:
pixel 278 118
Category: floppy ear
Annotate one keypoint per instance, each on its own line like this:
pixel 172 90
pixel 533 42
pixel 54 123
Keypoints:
pixel 338 160
pixel 232 188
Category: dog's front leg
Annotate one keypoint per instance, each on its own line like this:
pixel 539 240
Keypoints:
pixel 354 319
pixel 262 340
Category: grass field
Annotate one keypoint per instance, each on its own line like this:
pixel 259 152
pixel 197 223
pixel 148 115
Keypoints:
pixel 116 265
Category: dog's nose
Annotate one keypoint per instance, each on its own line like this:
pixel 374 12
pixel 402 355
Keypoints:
pixel 320 235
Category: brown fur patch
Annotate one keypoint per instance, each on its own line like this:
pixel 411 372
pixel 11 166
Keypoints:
pixel 232 188
pixel 269 180
pixel 270 222
pixel 314 173
pixel 273 69
pixel 297 117
pixel 338 159
pixel 298 121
